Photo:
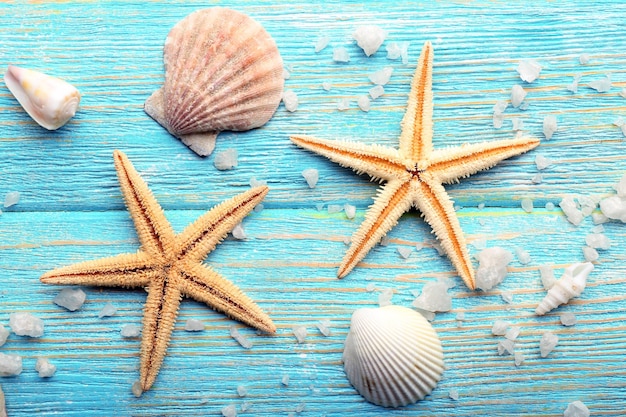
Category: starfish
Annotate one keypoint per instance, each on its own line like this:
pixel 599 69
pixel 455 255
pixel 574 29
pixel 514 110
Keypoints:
pixel 169 266
pixel 415 174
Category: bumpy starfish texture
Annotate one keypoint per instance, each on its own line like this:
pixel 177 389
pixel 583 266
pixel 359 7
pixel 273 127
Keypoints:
pixel 169 266
pixel 415 174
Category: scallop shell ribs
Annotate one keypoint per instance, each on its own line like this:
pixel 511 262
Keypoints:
pixel 392 355
pixel 223 71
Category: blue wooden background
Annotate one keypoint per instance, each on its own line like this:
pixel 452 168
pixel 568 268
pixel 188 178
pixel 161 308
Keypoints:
pixel 71 208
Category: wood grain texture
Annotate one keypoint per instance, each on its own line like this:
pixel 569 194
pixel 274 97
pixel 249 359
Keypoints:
pixel 71 208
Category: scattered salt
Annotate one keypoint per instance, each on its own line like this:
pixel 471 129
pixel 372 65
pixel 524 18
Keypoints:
pixel 70 298
pixel 136 389
pixel 376 92
pixel 506 347
pixel 45 368
pixel 549 206
pixel 11 199
pixel 290 100
pixel 576 409
pixel 343 104
pixel 300 333
pixel 404 252
pixel 384 241
pixel 460 316
pixel 547 276
pixel 568 319
pixel 500 327
pixel 334 208
pixel 10 365
pixel 324 327
pixel 590 254
pixel 4 334
pixel 428 315
pixel 194 325
pixel 528 70
pixel 519 358
pixel 518 124
pixel 226 159
pixel 434 297
pixel 242 391
pixel 370 287
pixel 622 92
pixel 240 338
pixel 602 85
pixel 454 394
pixel 321 43
pixel 311 175
pixel 598 241
pixel 512 333
pixel 621 124
pixel 130 330
pixel 537 179
pixel 573 87
pixel 599 218
pixel 340 54
pixel 300 407
pixel 364 103
pixel 517 95
pixel 549 126
pixel 238 232
pixel 381 77
pixel 369 38
pixel 597 229
pixel 548 342
pixel 285 380
pixel 614 207
pixel 583 59
pixel 398 50
pixel 481 206
pixel 350 211
pixel 326 85
pixel 507 297
pixel 492 267
pixel 479 244
pixel 527 205
pixel 286 74
pixel 384 298
pixel 542 162
pixel 570 208
pixel 25 324
pixel 522 256
pixel 245 406
pixel 107 311
pixel 229 411
pixel 498 111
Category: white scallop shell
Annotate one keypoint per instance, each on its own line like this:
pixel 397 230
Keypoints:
pixel 223 71
pixel 50 101
pixel 571 285
pixel 392 355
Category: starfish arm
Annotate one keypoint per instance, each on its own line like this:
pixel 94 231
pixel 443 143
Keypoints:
pixel 438 210
pixel 392 201
pixel 452 164
pixel 159 317
pixel 205 285
pixel 154 231
pixel 203 235
pixel 125 270
pixel 416 139
pixel 380 162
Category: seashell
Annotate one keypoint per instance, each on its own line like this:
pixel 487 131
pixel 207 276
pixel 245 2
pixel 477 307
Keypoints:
pixel 571 285
pixel 50 101
pixel 223 71
pixel 392 355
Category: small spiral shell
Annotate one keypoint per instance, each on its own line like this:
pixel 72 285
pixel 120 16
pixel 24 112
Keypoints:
pixel 571 285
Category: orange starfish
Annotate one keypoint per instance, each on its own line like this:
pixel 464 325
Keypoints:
pixel 169 266
pixel 415 174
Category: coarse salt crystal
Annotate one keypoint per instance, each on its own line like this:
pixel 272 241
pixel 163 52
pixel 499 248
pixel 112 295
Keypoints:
pixel 369 38
pixel 548 342
pixel 381 77
pixel 519 358
pixel 238 232
pixel 341 55
pixel 590 254
pixel 364 103
pixel 598 241
pixel 622 92
pixel 324 327
pixel 130 330
pixel 285 380
pixel 226 159
pixel 11 198
pixel 568 319
pixel 570 208
pixel 460 316
pixel 528 70
pixel 583 59
pixel 492 267
pixel 614 207
pixel 527 205
pixel 507 297
pixel 498 110
pixel 404 252
pixel 454 394
pixel 25 324
pixel 350 211
pixel 518 124
pixel 107 311
pixel 434 297
pixel 573 87
pixel 537 179
pixel 523 256
pixel 376 91
pixel 300 333
pixel 242 391
pixel 343 104
pixel 286 74
pixel 384 298
pixel 334 208
pixel 547 276
pixel 500 327
pixel 542 162
pixel 517 95
pixel 245 406
pixel 10 365
pixel 512 333
pixel 193 325
pixel 576 409
pixel 549 206
pixel 290 100
pixel 70 298
pixel 506 347
pixel 549 126
pixel 4 334
pixel 370 287
pixel 311 175
pixel 239 338
pixel 321 43
pixel 229 411
pixel 326 85
pixel 136 389
pixel 602 85
pixel 45 368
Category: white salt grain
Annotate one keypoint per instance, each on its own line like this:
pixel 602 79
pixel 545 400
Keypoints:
pixel 326 85
pixel 226 159
pixel 10 365
pixel 350 211
pixel 583 59
pixel 570 208
pixel 507 297
pixel 519 358
pixel 549 126
pixel 290 100
pixel 245 406
pixel 527 205
pixel 376 92
pixel 364 103
pixel 522 256
pixel 136 389
pixel 311 175
pixel 341 55
pixel 454 394
pixel 598 241
pixel 324 327
pixel 602 85
pixel 597 229
pixel 568 319
pixel 300 333
pixel 130 330
pixel 549 206
pixel 434 297
pixel 384 298
pixel 193 325
pixel 614 207
pixel 517 95
pixel 498 110
pixel 512 333
pixel 382 76
pixel 542 162
pixel 369 38
pixel 599 218
pixel 257 183
pixel 334 208
pixel 107 311
pixel 45 368
pixel 622 92
pixel 238 232
pixel 590 254
pixel 481 206
pixel 499 327
pixel 229 411
pixel 300 407
pixel 548 342
pixel 285 380
pixel 240 338
pixel 4 334
pixel 70 298
pixel 242 391
pixel 370 287
pixel 321 43
pixel 393 50
pixel 404 252
pixel 25 324
pixel 384 241
pixel 537 179
pixel 428 315
pixel 506 347
pixel 492 267
pixel 460 316
pixel 11 199
pixel 576 409
pixel 286 74
pixel 528 70
pixel 573 87
pixel 343 104
pixel 518 124
pixel 547 276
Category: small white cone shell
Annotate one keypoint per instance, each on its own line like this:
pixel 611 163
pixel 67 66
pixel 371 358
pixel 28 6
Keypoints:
pixel 571 285
pixel 392 355
pixel 50 101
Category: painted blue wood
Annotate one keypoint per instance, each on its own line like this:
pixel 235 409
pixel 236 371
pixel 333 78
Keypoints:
pixel 71 208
